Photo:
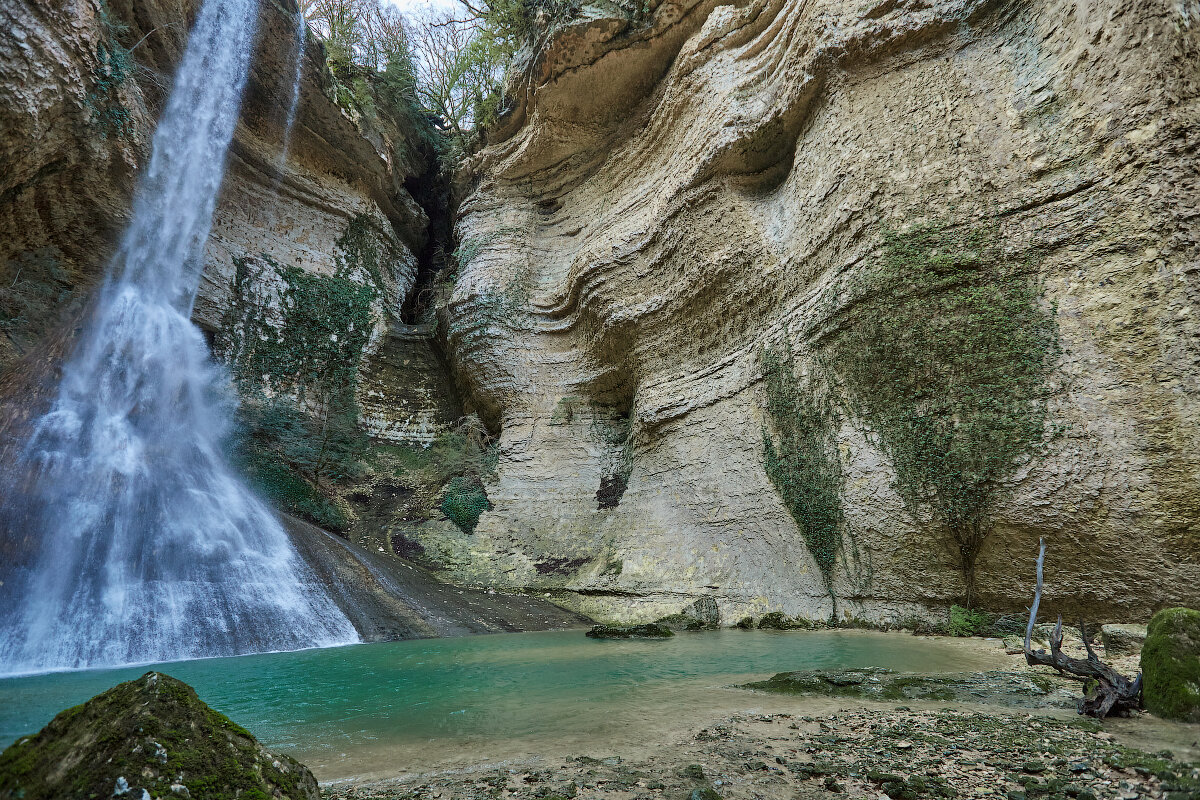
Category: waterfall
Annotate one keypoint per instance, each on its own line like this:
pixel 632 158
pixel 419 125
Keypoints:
pixel 298 73
pixel 150 548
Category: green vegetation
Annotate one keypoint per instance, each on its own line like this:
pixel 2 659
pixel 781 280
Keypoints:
pixel 464 502
pixel 944 350
pixel 802 458
pixel 778 621
pixel 448 475
pixel 114 63
pixel 965 622
pixel 298 428
pixel 152 732
pixel 1171 665
pixel 370 57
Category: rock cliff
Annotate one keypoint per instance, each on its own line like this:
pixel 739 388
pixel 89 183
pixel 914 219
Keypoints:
pixel 814 307
pixel 82 82
pixel 684 200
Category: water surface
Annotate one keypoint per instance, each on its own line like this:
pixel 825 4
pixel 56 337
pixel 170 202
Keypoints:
pixel 407 706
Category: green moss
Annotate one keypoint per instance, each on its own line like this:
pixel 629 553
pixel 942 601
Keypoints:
pixel 153 732
pixel 1171 665
pixel 114 64
pixel 464 502
pixel 945 349
pixel 779 621
pixel 801 459
pixel 298 429
pixel 650 630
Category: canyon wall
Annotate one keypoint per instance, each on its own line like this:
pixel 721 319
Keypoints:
pixel 679 195
pixel 314 252
pixel 82 82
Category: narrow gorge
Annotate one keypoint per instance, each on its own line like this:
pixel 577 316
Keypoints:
pixel 818 308
pixel 808 389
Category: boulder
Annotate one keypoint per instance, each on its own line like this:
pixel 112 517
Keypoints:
pixel 651 630
pixel 1171 665
pixel 148 738
pixel 702 615
pixel 1122 640
pixel 1009 689
pixel 778 621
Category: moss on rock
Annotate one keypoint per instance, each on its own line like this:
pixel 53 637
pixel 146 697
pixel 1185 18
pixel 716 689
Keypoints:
pixel 651 630
pixel 778 621
pixel 148 737
pixel 1171 665
pixel 1014 690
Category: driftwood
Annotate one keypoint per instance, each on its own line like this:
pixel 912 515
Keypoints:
pixel 1113 693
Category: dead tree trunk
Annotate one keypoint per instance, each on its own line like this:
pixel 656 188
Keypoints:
pixel 1113 693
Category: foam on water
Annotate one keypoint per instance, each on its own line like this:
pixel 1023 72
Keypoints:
pixel 147 546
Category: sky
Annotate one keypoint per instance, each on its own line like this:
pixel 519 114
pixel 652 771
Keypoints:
pixel 419 7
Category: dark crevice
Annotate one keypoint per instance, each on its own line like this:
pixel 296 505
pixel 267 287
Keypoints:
pixel 431 190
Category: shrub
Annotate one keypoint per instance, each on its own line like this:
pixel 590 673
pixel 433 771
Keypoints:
pixel 464 502
pixel 965 622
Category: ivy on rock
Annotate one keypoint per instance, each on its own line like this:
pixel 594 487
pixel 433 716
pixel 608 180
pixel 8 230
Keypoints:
pixel 802 459
pixel 944 350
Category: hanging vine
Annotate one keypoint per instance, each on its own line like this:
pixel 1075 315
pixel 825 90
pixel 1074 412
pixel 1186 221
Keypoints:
pixel 945 348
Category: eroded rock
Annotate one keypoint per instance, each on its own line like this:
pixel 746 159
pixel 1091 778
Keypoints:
pixel 150 737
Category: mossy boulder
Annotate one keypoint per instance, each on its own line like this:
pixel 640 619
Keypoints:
pixel 1171 665
pixel 1009 689
pixel 148 738
pixel 778 621
pixel 651 630
pixel 702 615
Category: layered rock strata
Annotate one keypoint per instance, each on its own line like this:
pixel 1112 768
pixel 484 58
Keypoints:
pixel 675 193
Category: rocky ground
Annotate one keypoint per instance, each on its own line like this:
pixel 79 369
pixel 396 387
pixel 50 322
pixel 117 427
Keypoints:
pixel 903 750
pixel 899 753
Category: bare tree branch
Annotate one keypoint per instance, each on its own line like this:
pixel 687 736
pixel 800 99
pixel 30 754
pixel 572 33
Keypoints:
pixel 1113 693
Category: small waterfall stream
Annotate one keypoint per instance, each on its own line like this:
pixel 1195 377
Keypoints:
pixel 294 101
pixel 151 547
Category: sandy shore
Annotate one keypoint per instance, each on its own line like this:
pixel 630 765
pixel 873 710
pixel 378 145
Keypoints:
pixel 801 747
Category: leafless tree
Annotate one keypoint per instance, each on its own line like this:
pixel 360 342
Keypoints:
pixel 1112 693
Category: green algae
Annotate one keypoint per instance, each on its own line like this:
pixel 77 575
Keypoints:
pixel 147 734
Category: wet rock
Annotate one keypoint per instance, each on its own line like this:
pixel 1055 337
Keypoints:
pixel 778 621
pixel 1122 640
pixel 1171 664
pixel 1000 688
pixel 651 630
pixel 150 737
pixel 702 615
pixel 1013 645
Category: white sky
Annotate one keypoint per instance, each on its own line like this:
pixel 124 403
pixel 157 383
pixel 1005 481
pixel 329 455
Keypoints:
pixel 419 7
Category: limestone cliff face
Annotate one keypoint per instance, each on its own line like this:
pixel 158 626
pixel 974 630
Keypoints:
pixel 674 193
pixel 82 82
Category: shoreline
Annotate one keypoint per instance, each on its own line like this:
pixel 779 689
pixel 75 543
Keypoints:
pixel 743 727
pixel 870 750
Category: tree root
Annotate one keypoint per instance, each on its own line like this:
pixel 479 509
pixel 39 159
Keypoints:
pixel 1111 693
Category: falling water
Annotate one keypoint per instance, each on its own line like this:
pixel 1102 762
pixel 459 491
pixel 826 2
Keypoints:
pixel 301 37
pixel 151 548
